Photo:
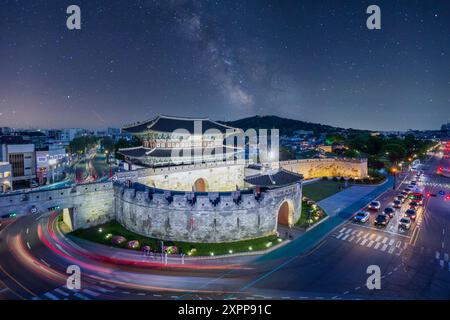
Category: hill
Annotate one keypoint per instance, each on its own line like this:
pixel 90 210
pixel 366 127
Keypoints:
pixel 286 126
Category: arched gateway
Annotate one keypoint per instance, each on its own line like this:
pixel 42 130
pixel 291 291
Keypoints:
pixel 286 213
pixel 200 185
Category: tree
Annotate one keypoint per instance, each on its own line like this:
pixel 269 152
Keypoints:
pixel 81 144
pixel 394 152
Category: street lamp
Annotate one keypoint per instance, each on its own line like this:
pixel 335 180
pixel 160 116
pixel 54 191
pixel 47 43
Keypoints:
pixel 394 173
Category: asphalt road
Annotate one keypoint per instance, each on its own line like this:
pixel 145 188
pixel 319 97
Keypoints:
pixel 414 264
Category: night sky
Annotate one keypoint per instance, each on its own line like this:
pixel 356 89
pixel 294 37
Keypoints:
pixel 308 60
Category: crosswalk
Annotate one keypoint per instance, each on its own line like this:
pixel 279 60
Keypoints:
pixel 443 260
pixel 372 240
pixel 63 293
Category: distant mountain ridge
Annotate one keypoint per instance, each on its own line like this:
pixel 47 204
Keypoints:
pixel 286 126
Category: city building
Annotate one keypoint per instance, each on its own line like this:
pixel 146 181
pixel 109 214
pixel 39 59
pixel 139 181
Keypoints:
pixel 20 153
pixel 51 164
pixel 69 134
pixel 5 177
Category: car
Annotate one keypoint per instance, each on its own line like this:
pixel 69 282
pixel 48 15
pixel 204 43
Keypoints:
pixel 389 211
pixel 382 220
pixel 407 190
pixel 397 203
pixel 401 198
pixel 413 183
pixel 374 205
pixel 404 193
pixel 411 213
pixel 404 223
pixel 362 217
pixel 414 204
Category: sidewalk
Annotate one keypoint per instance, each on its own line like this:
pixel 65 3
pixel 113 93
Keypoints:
pixel 308 240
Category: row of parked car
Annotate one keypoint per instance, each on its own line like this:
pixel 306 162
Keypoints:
pixel 411 193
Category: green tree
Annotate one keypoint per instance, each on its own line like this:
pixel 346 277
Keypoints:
pixel 394 152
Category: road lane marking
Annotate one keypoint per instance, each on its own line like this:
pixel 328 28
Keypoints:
pixel 28 245
pixel 351 238
pixel 384 247
pixel 446 257
pixel 357 240
pixel 370 243
pixel 61 292
pixel 391 242
pixel 348 230
pixel 385 239
pixel 391 250
pixel 378 238
pixel 79 295
pixel 437 254
pixel 45 262
pixel 339 235
pixel 91 293
pixel 377 245
pixel 342 230
pixel 345 237
pixel 51 296
pixel 363 242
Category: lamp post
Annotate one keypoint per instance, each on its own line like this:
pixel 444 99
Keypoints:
pixel 394 173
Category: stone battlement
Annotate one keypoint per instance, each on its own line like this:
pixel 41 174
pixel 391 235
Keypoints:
pixel 203 217
pixel 330 167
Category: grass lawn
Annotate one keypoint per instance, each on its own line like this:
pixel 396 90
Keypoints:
pixel 321 189
pixel 318 215
pixel 195 249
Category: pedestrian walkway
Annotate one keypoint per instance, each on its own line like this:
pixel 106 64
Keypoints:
pixel 308 240
pixel 63 293
pixel 341 200
pixel 373 240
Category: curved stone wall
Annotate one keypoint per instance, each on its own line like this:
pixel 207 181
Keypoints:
pixel 152 215
pixel 318 168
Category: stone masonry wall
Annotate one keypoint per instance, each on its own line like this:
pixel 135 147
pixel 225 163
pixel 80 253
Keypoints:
pixel 318 168
pixel 92 204
pixel 153 216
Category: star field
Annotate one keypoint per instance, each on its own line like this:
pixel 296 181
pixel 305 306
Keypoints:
pixel 307 60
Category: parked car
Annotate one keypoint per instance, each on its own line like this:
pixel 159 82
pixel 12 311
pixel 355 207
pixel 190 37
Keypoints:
pixel 411 213
pixel 401 198
pixel 404 193
pixel 382 220
pixel 397 204
pixel 404 223
pixel 389 211
pixel 361 217
pixel 375 205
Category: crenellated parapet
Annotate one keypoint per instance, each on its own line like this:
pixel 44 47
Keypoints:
pixel 329 167
pixel 203 217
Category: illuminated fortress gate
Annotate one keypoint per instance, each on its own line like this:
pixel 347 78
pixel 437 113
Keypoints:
pixel 168 140
pixel 188 186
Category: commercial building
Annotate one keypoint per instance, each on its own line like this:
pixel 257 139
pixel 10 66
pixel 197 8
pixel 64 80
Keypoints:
pixel 21 156
pixel 51 164
pixel 5 177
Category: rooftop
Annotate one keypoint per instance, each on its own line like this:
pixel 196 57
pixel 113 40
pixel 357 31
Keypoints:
pixel 275 179
pixel 164 123
pixel 140 152
pixel 13 140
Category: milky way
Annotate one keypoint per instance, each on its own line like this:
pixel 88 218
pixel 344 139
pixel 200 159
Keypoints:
pixel 307 60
